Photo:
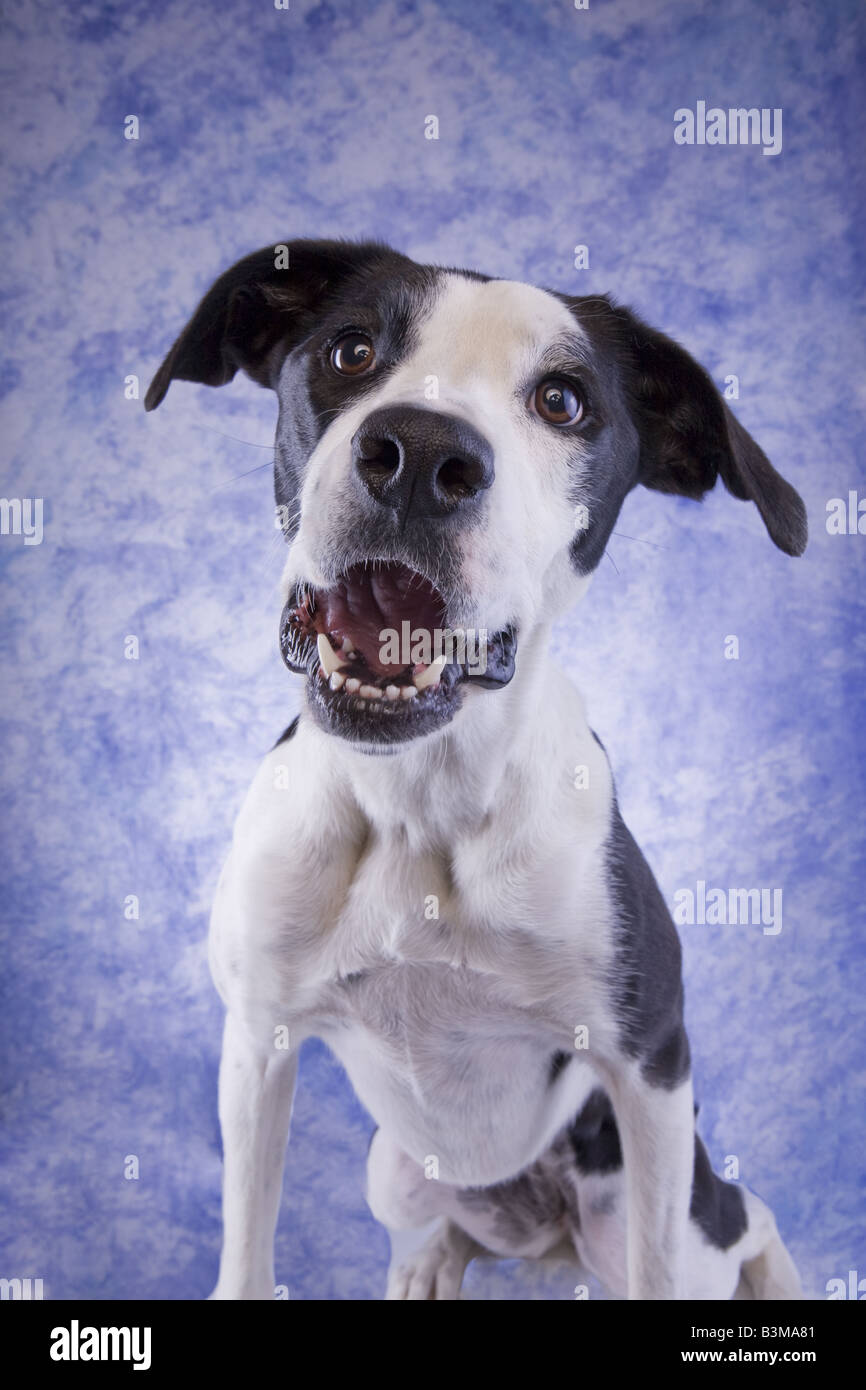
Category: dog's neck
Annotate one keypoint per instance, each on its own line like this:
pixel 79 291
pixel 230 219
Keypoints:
pixel 451 782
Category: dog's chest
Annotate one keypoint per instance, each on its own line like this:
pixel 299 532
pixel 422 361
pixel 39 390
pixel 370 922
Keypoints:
pixel 450 996
pixel 451 962
pixel 516 923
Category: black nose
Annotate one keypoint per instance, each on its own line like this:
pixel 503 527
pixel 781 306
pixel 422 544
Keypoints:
pixel 421 463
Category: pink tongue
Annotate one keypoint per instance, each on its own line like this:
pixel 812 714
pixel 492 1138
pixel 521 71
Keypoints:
pixel 369 602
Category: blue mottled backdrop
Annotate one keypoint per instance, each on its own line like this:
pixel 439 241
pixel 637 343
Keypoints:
pixel 121 776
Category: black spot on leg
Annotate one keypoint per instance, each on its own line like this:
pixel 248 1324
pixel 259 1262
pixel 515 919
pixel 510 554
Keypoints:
pixel 558 1062
pixel 594 1137
pixel 717 1206
pixel 671 1058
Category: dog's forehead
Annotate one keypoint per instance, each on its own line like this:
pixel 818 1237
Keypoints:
pixel 498 326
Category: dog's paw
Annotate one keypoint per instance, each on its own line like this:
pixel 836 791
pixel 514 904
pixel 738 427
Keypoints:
pixel 434 1272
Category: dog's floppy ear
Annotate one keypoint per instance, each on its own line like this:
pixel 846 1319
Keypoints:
pixel 689 437
pixel 247 318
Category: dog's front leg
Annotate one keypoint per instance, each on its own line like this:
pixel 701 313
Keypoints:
pixel 656 1128
pixel 256 1088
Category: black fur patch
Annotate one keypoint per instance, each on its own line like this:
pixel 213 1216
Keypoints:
pixel 287 733
pixel 648 983
pixel 717 1206
pixel 594 1137
pixel 558 1062
pixel 661 422
pixel 385 299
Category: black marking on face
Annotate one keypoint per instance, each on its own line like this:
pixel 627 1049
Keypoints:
pixel 386 301
pixel 606 440
pixel 669 429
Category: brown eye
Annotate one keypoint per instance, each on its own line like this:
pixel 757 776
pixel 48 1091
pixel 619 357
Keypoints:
pixel 352 354
pixel 557 402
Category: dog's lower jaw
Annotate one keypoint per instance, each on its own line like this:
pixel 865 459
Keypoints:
pixel 383 721
pixel 478 740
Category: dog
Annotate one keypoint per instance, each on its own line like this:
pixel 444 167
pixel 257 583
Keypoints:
pixel 417 877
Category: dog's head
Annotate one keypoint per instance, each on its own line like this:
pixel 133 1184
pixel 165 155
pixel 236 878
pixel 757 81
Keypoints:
pixel 452 452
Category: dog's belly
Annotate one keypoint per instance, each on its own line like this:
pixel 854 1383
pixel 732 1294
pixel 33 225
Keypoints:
pixel 473 1088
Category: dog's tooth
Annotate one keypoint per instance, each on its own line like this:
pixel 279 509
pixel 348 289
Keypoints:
pixel 353 685
pixel 431 675
pixel 392 692
pixel 347 644
pixel 370 692
pixel 331 660
pixel 337 679
pixel 408 692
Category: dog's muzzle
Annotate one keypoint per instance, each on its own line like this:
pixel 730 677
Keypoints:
pixel 383 663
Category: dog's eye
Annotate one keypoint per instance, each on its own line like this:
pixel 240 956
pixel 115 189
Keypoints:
pixel 557 402
pixel 352 354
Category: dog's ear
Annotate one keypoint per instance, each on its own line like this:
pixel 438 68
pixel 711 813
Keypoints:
pixel 252 315
pixel 689 437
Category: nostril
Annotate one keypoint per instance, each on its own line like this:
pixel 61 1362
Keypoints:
pixel 460 477
pixel 418 463
pixel 379 454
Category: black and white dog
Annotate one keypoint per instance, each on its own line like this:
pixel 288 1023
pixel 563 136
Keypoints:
pixel 417 876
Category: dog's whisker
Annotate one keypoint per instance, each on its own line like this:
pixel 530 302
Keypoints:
pixel 238 476
pixel 643 540
pixel 209 429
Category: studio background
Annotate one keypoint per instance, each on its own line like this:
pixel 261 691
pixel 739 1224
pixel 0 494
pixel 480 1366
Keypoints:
pixel 122 777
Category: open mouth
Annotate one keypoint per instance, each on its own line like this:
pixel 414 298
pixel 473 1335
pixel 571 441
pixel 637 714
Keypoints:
pixel 382 662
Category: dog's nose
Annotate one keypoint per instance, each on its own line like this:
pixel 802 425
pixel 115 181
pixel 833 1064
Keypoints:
pixel 421 463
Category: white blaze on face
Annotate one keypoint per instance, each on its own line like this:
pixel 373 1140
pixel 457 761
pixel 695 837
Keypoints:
pixel 483 344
